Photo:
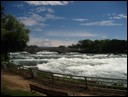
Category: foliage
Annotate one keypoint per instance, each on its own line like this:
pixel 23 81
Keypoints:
pixel 32 48
pixel 14 35
pixel 61 46
pixel 102 46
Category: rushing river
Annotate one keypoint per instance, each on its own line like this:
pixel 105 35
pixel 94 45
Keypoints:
pixel 92 65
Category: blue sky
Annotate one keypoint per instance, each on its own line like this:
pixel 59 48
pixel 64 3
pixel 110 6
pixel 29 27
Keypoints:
pixel 54 23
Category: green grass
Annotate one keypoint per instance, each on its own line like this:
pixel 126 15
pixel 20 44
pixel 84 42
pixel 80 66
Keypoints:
pixel 70 80
pixel 7 92
pixel 44 74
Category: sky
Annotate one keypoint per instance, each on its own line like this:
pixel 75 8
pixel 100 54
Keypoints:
pixel 55 23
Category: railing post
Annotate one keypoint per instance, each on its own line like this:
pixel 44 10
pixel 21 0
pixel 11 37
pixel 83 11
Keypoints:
pixel 31 72
pixel 52 78
pixel 86 82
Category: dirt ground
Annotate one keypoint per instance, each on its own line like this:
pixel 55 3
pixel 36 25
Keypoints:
pixel 14 81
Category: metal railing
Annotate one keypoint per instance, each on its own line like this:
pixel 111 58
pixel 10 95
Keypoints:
pixel 69 80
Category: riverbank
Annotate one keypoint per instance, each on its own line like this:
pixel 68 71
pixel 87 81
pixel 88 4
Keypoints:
pixel 13 81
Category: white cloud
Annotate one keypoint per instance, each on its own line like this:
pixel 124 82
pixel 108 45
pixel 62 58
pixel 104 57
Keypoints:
pixel 79 19
pixel 49 42
pixel 37 28
pixel 33 19
pixel 102 23
pixel 36 3
pixel 123 16
pixel 51 16
pixel 117 16
pixel 29 22
pixel 39 42
pixel 19 5
pixel 39 9
pixel 36 22
pixel 56 43
pixel 70 34
pixel 42 9
pixel 50 10
pixel 21 18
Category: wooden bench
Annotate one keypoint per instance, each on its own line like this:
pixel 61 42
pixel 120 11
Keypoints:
pixel 48 92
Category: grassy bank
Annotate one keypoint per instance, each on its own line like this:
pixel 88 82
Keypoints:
pixel 7 92
pixel 108 85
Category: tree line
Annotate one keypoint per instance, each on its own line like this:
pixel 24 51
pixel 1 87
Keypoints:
pixel 102 46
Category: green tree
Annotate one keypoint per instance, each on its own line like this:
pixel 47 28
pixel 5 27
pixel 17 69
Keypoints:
pixel 85 44
pixel 2 11
pixel 14 35
pixel 102 46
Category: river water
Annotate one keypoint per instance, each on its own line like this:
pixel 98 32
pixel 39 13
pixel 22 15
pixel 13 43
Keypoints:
pixel 91 65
